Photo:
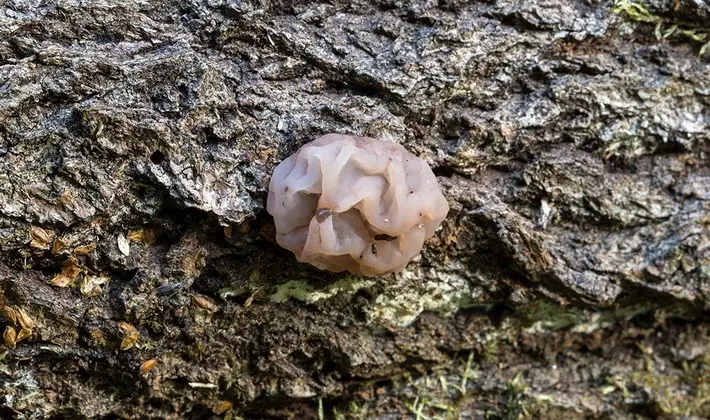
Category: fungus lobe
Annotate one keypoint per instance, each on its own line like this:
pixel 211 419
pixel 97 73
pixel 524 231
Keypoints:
pixel 355 203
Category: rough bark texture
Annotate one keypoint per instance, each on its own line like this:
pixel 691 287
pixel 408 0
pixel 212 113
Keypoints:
pixel 138 272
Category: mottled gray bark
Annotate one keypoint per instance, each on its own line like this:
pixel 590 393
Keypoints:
pixel 138 272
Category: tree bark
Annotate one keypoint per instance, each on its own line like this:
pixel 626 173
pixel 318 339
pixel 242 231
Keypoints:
pixel 139 276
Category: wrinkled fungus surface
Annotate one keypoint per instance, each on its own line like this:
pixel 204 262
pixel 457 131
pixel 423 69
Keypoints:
pixel 355 203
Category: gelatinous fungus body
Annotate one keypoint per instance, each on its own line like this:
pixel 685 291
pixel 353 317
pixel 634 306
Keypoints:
pixel 355 203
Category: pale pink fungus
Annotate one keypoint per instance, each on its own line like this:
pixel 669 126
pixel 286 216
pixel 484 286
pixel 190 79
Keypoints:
pixel 355 203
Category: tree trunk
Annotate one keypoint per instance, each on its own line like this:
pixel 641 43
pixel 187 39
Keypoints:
pixel 139 276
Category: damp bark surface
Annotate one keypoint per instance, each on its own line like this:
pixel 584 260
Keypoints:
pixel 139 276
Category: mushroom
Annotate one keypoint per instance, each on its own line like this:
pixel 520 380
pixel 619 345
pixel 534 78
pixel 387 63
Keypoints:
pixel 354 203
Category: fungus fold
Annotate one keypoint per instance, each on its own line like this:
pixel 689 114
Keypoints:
pixel 354 203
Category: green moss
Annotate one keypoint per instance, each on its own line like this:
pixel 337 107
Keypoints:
pixel 546 315
pixel 671 393
pixel 668 393
pixel 303 291
pixel 459 384
pixel 423 408
pixel 399 299
pixel 451 388
pixel 665 28
pixel 635 11
pixel 402 301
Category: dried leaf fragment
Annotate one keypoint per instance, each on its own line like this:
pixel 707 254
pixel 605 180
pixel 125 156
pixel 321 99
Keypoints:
pixel 130 335
pixel 9 315
pixel 258 295
pixel 24 319
pixel 147 366
pixel 221 407
pixel 97 338
pixel 87 288
pixel 193 263
pixel 205 303
pixel 144 236
pixel 123 244
pixel 202 385
pixel 245 226
pixel 85 249
pixel 71 266
pixel 40 238
pixel 129 341
pixel 70 271
pixel 24 333
pixel 57 246
pixel 60 280
pixel 91 285
pixel 10 337
pixel 127 328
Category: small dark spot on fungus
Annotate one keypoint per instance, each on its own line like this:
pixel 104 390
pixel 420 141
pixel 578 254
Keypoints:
pixel 157 157
pixel 286 189
pixel 384 237
pixel 323 214
pixel 374 249
pixel 411 192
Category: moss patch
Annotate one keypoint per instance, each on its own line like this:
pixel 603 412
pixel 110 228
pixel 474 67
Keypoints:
pixel 664 28
pixel 303 291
